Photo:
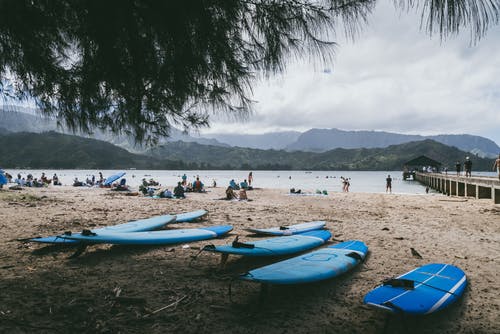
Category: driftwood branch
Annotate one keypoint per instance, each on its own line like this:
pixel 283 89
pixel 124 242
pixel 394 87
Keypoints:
pixel 167 306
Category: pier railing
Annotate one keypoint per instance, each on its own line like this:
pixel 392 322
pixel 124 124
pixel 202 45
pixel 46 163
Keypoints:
pixel 453 185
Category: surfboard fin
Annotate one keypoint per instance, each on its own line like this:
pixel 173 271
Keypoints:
pixel 210 247
pixel 355 256
pixel 237 244
pixel 88 233
pixel 393 306
pixel 400 283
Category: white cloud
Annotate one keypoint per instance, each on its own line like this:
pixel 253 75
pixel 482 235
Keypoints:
pixel 393 77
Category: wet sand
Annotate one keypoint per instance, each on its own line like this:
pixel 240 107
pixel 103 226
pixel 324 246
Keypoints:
pixel 111 289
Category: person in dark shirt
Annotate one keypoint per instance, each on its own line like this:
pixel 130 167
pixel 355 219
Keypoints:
pixel 179 191
pixel 468 167
pixel 388 184
pixel 458 167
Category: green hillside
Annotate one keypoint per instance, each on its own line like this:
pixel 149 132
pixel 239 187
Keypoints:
pixel 55 150
pixel 390 158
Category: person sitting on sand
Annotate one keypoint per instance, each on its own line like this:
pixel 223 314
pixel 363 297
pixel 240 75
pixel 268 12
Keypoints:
pixel 144 188
pixel 22 182
pixel 179 191
pixel 198 185
pixel 243 195
pixel 244 184
pixel 122 186
pixel 77 183
pixel 230 193
pixel 29 180
pixel 55 180
pixel 293 191
pixel 166 194
pixel 38 183
pixel 233 185
pixel 44 179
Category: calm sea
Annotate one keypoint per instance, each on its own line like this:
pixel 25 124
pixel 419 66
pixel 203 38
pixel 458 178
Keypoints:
pixel 361 182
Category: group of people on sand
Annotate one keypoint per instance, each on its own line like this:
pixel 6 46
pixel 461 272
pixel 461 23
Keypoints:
pixel 178 192
pixel 242 188
pixel 231 194
pixel 90 181
pixel 246 184
pixel 30 181
pixel 148 189
pixel 196 186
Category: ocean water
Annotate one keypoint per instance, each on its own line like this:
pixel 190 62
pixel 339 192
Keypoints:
pixel 361 182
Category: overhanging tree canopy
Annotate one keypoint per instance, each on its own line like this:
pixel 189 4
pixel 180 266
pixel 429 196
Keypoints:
pixel 139 66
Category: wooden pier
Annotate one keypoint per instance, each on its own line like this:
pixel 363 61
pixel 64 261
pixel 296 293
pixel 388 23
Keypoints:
pixel 452 185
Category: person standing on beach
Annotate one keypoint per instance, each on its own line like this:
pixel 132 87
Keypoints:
pixel 458 167
pixel 468 167
pixel 184 179
pixel 496 165
pixel 344 183
pixel 388 184
pixel 250 178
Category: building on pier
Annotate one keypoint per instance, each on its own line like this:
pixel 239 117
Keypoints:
pixel 420 164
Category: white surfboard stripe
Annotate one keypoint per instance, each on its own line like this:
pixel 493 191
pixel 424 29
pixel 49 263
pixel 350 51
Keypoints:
pixel 446 296
pixel 311 237
pixel 381 306
pixel 425 281
pixel 211 232
pixel 348 245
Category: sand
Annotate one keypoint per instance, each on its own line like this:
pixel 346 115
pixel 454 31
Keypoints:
pixel 111 289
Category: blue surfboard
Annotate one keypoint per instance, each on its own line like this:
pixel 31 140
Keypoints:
pixel 325 263
pixel 275 246
pixel 289 229
pixel 109 180
pixel 423 290
pixel 163 237
pixel 188 217
pixel 141 225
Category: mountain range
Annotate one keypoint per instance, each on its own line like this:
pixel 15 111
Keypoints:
pixel 56 150
pixel 15 119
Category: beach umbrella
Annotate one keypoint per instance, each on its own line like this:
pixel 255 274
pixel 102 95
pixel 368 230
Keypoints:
pixel 113 178
pixel 3 179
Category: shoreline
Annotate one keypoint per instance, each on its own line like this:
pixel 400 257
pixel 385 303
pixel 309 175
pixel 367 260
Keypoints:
pixel 44 291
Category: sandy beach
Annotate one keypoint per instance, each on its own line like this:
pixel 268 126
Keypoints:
pixel 118 289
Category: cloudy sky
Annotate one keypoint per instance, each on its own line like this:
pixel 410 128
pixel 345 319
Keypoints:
pixel 393 77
